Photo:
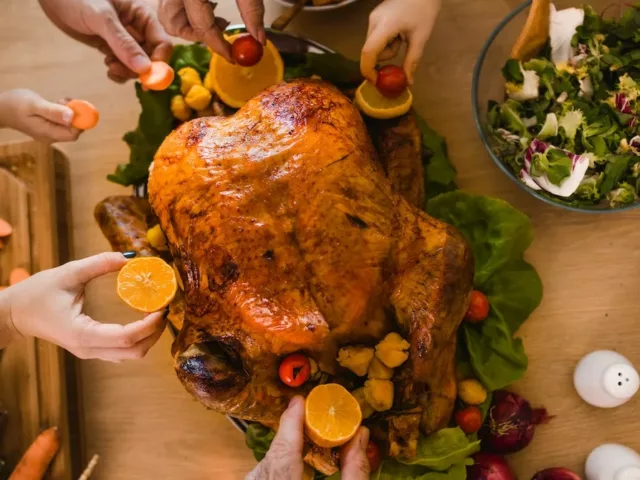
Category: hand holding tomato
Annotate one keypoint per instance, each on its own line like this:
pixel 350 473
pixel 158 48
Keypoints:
pixel 392 23
pixel 195 20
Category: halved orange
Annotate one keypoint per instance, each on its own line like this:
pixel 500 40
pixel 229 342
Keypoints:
pixel 375 105
pixel 147 284
pixel 331 415
pixel 235 85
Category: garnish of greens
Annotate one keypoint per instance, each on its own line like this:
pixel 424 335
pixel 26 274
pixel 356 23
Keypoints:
pixel 497 233
pixel 568 127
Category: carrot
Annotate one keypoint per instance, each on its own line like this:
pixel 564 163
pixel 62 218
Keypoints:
pixel 158 77
pixel 36 460
pixel 18 275
pixel 5 228
pixel 85 116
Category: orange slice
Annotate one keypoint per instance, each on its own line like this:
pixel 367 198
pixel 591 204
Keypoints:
pixel 331 415
pixel 147 284
pixel 375 105
pixel 235 85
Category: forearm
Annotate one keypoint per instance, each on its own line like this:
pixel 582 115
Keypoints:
pixel 8 331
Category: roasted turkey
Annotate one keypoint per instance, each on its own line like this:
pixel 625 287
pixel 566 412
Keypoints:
pixel 291 232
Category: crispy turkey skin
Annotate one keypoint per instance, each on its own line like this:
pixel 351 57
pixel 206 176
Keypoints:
pixel 288 236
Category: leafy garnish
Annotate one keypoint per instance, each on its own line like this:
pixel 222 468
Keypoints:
pixel 499 235
pixel 440 174
pixel 258 439
pixel 443 449
pixel 331 67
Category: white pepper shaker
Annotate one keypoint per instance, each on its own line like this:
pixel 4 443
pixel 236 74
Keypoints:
pixel 612 462
pixel 605 379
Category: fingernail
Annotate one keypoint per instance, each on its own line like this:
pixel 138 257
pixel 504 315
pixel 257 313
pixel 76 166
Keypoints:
pixel 67 116
pixel 262 37
pixel 364 436
pixel 129 254
pixel 140 64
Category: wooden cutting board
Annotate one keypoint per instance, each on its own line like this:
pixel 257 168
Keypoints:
pixel 38 381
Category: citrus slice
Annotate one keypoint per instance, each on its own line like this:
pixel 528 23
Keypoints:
pixel 331 415
pixel 235 85
pixel 375 105
pixel 147 284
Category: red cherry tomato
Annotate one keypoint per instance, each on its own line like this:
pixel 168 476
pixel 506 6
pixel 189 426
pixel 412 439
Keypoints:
pixel 469 419
pixel 478 308
pixel 391 81
pixel 295 370
pixel 246 51
pixel 374 455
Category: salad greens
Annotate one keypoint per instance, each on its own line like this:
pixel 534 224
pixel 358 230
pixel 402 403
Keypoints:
pixel 584 107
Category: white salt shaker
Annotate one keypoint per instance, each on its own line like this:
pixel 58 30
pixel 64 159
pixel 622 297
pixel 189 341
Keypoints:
pixel 613 462
pixel 605 379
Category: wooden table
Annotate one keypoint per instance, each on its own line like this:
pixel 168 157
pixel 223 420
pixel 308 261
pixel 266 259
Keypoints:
pixel 137 415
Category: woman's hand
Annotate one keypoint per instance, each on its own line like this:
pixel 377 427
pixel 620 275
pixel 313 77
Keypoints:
pixel 127 32
pixel 284 458
pixel 29 113
pixel 393 22
pixel 195 20
pixel 48 305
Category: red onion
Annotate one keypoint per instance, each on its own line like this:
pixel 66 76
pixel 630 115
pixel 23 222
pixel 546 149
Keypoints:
pixel 556 473
pixel 488 466
pixel 510 424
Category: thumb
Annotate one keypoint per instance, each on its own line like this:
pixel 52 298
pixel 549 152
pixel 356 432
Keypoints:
pixel 355 464
pixel 83 271
pixel 55 112
pixel 291 430
pixel 123 45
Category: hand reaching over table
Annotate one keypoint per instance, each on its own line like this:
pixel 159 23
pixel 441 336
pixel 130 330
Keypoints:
pixel 195 20
pixel 394 22
pixel 284 458
pixel 127 32
pixel 28 112
pixel 49 304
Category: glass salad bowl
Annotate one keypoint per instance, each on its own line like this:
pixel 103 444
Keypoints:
pixel 489 85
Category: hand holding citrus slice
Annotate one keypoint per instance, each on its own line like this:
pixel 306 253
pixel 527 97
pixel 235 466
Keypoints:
pixel 331 415
pixel 147 284
pixel 235 84
pixel 374 104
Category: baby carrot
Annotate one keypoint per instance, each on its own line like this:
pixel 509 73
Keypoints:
pixel 36 460
pixel 18 275
pixel 158 77
pixel 5 228
pixel 85 116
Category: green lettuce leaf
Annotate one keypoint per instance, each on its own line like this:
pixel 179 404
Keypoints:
pixel 393 470
pixel 154 124
pixel 195 55
pixel 443 449
pixel 259 439
pixel 499 235
pixel 440 174
pixel 331 67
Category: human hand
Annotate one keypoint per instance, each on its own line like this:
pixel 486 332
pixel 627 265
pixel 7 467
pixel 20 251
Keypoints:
pixel 195 20
pixel 127 32
pixel 284 458
pixel 27 112
pixel 392 22
pixel 48 305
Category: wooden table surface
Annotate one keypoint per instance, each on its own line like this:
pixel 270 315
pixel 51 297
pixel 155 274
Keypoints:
pixel 137 415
